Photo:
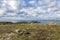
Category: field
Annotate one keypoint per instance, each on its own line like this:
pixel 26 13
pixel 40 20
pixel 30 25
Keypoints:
pixel 30 32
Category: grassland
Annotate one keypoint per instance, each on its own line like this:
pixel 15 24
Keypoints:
pixel 30 32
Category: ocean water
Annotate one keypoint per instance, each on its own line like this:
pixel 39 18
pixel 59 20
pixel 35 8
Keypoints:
pixel 42 21
pixel 49 21
pixel 39 21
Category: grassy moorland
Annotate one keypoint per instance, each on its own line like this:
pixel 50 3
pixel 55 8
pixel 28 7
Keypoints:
pixel 30 32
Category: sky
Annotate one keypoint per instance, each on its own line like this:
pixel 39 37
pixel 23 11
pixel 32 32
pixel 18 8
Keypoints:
pixel 13 10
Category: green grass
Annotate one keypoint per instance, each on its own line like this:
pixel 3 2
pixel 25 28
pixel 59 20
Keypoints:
pixel 31 31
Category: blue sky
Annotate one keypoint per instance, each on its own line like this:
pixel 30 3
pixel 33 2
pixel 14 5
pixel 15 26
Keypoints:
pixel 29 10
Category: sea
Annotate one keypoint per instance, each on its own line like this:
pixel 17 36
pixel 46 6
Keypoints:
pixel 43 21
pixel 49 21
pixel 38 21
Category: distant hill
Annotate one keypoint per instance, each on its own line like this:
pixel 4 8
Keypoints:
pixel 19 22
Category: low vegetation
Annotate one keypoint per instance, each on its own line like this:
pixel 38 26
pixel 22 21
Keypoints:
pixel 30 32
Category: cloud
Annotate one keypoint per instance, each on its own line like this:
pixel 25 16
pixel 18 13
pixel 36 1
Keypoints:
pixel 33 11
pixel 11 14
pixel 32 2
pixel 9 5
pixel 42 9
pixel 1 11
pixel 12 4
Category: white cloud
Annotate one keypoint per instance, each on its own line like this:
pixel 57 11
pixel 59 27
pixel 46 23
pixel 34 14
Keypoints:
pixel 1 11
pixel 11 14
pixel 32 2
pixel 45 9
pixel 50 9
pixel 52 4
pixel 13 4
pixel 33 11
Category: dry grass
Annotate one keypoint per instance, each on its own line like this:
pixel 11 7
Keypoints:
pixel 31 31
